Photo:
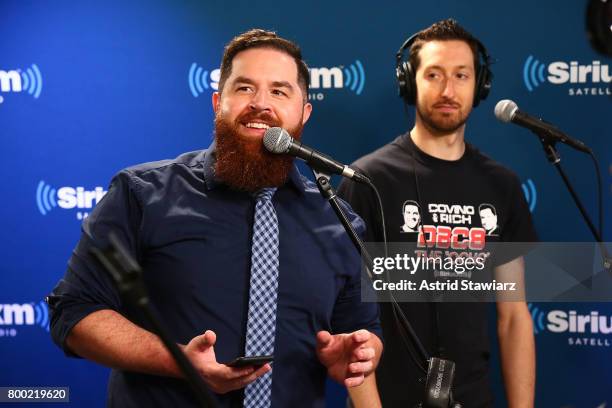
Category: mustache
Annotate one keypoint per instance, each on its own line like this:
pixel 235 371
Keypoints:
pixel 447 102
pixel 261 116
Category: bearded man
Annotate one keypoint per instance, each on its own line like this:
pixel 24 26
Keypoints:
pixel 241 256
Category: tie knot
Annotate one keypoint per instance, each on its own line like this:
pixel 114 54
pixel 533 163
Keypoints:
pixel 265 194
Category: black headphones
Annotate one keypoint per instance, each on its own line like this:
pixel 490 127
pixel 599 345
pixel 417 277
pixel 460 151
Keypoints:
pixel 406 75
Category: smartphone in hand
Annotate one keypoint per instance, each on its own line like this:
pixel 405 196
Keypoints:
pixel 256 361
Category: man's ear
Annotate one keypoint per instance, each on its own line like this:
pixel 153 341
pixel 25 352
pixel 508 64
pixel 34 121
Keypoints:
pixel 216 101
pixel 307 112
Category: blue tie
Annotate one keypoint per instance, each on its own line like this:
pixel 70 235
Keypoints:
pixel 261 323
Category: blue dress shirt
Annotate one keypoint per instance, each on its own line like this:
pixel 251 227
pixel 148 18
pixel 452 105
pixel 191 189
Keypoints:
pixel 192 236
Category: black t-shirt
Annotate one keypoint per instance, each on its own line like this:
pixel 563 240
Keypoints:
pixel 473 192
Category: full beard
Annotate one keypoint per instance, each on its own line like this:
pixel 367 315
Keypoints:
pixel 439 123
pixel 243 163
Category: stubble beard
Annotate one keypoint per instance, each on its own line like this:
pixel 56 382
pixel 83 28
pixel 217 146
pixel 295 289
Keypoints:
pixel 444 124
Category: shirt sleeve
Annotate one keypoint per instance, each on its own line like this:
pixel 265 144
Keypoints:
pixel 86 287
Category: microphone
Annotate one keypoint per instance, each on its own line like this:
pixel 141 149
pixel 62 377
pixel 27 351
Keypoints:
pixel 277 140
pixel 507 111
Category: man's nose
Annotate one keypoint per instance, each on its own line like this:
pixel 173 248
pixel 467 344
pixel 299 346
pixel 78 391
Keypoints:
pixel 449 89
pixel 259 101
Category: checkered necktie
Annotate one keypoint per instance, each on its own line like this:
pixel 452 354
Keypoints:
pixel 261 323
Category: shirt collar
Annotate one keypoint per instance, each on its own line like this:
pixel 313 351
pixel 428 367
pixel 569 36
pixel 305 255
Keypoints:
pixel 212 181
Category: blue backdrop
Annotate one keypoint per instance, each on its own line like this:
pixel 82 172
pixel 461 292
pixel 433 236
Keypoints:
pixel 90 87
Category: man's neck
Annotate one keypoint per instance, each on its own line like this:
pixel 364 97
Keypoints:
pixel 448 146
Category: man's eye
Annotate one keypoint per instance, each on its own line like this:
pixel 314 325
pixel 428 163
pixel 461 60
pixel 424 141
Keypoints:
pixel 278 92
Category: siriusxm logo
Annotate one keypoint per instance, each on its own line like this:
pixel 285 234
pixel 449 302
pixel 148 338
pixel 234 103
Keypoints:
pixel 200 79
pixel 560 72
pixel 25 314
pixel 576 325
pixel 28 80
pixel 350 77
pixel 531 194
pixel 67 198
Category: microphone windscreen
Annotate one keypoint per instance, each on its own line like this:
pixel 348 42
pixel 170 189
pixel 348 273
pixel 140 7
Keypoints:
pixel 505 109
pixel 277 140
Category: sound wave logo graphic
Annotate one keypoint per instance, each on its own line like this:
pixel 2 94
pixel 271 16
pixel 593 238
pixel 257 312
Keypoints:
pixel 531 194
pixel 25 314
pixel 351 77
pixel 533 73
pixel 201 80
pixel 17 80
pixel 67 198
pixel 41 313
pixel 354 77
pixel 45 197
pixel 537 316
pixel 32 81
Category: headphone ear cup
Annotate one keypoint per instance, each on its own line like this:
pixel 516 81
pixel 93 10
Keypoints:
pixel 485 76
pixel 400 76
pixel 478 87
pixel 486 83
pixel 405 74
pixel 483 85
pixel 411 87
pixel 406 82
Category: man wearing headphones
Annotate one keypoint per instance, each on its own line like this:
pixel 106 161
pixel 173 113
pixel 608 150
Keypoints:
pixel 447 73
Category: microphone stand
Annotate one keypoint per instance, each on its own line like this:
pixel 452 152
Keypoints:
pixel 127 275
pixel 553 157
pixel 440 369
pixel 327 191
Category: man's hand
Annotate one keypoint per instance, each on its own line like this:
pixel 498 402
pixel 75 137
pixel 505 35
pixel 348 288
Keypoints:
pixel 349 357
pixel 109 338
pixel 219 377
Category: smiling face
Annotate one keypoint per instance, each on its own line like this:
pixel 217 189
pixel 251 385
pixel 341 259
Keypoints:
pixel 261 92
pixel 445 81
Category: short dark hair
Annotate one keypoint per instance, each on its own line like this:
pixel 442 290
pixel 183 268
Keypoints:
pixel 485 206
pixel 445 30
pixel 413 203
pixel 258 38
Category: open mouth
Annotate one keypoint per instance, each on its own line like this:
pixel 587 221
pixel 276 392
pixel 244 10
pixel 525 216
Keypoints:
pixel 255 128
pixel 256 125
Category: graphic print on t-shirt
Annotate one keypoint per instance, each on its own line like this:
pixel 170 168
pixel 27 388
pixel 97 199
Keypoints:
pixel 411 213
pixel 457 223
pixel 454 231
pixel 488 218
